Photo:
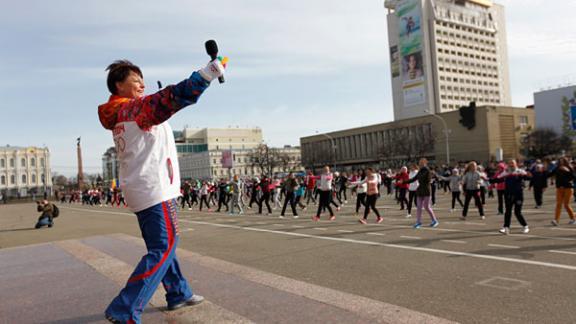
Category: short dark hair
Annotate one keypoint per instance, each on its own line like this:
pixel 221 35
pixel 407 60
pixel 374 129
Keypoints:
pixel 118 72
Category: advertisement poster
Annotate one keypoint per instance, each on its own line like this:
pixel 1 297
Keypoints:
pixel 409 14
pixel 227 161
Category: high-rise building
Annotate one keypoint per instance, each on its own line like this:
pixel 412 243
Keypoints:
pixel 25 171
pixel 445 54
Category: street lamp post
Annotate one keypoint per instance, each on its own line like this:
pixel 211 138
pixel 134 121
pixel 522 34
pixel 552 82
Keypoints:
pixel 446 135
pixel 333 149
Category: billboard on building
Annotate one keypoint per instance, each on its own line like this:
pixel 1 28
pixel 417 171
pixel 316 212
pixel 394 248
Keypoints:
pixel 227 160
pixel 409 13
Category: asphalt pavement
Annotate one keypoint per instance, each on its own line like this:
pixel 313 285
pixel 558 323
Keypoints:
pixel 462 271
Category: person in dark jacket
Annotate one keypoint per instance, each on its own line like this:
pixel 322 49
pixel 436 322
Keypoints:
pixel 538 184
pixel 423 194
pixel 47 216
pixel 514 178
pixel 290 185
pixel 265 198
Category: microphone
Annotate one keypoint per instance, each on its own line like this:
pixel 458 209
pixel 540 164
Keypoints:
pixel 212 51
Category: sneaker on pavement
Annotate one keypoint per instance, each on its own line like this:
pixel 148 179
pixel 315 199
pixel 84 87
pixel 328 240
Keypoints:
pixel 434 224
pixel 332 217
pixel 362 221
pixel 554 222
pixel 504 230
pixel 525 230
pixel 572 222
pixel 408 216
pixel 194 300
pixel 338 208
pixel 315 218
pixel 281 216
pixel 482 217
pixel 417 226
pixel 379 220
pixel 296 216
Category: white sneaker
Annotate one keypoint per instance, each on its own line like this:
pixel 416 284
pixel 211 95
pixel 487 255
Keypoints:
pixel 525 230
pixel 483 217
pixel 280 216
pixel 554 222
pixel 572 222
pixel 408 216
pixel 296 216
pixel 452 210
pixel 504 230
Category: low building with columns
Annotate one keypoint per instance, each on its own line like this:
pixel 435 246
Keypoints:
pixel 25 171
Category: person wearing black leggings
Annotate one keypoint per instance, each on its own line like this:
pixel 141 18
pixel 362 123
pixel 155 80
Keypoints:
pixel 412 189
pixel 361 193
pixel 372 182
pixel 325 189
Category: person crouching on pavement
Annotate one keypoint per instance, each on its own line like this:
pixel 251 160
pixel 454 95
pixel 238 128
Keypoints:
pixel 150 180
pixel 47 216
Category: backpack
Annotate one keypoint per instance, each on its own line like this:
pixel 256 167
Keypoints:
pixel 55 211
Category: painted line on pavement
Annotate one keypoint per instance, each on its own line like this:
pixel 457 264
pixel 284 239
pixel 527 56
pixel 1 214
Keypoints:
pixel 562 252
pixel 319 229
pixel 411 237
pixel 495 233
pixel 376 234
pixel 563 229
pixel 345 231
pixel 454 241
pixel 504 246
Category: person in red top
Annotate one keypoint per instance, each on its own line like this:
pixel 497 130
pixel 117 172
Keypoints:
pixel 500 188
pixel 310 186
pixel 401 179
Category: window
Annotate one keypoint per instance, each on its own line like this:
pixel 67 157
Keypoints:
pixel 42 162
pixel 33 162
pixel 23 179
pixel 23 162
pixel 12 179
pixel 33 179
pixel 11 163
pixel 2 163
pixel 523 121
pixel 3 180
pixel 43 178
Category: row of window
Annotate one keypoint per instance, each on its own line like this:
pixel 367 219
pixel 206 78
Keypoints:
pixel 467 81
pixel 468 64
pixel 469 20
pixel 23 162
pixel 468 72
pixel 476 49
pixel 487 39
pixel 24 179
pixel 486 92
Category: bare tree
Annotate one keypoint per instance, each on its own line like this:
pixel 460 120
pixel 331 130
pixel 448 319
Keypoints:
pixel 545 142
pixel 265 158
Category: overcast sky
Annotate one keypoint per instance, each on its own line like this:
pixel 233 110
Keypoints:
pixel 296 67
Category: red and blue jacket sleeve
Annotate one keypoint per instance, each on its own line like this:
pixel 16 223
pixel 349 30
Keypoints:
pixel 153 109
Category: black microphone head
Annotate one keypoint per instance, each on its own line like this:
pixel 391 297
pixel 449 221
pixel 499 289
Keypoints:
pixel 212 48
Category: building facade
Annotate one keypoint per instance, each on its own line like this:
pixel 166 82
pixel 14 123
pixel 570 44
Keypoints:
pixel 553 108
pixel 498 131
pixel 25 171
pixel 209 165
pixel 445 54
pixel 198 140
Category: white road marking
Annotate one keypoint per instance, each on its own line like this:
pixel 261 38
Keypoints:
pixel 411 237
pixel 562 252
pixel 495 233
pixel 504 283
pixel 563 229
pixel 397 246
pixel 345 231
pixel 297 226
pixel 455 242
pixel 503 246
pixel 465 223
pixel 376 234
pixel 277 224
pixel 319 229
pixel 187 230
